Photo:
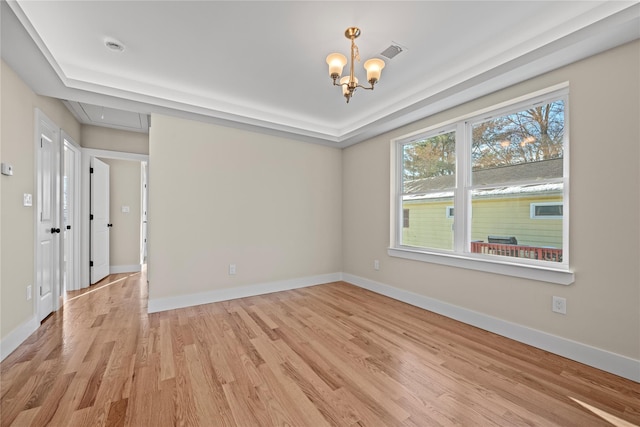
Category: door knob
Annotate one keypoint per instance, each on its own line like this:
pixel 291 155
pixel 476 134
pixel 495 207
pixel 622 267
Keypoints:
pixel 55 230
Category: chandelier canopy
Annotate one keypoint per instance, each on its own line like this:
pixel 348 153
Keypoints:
pixel 337 61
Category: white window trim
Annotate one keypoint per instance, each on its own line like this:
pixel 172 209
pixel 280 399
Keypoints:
pixel 503 267
pixel 559 273
pixel 533 215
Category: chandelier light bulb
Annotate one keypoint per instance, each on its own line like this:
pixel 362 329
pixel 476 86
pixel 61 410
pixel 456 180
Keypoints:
pixel 346 86
pixel 336 62
pixel 374 69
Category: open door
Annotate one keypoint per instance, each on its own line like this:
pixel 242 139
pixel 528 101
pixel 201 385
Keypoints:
pixel 99 261
pixel 70 220
pixel 48 242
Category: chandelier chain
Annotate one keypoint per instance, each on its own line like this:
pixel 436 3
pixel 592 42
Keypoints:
pixel 356 51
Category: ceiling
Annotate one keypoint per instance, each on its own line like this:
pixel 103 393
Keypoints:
pixel 260 65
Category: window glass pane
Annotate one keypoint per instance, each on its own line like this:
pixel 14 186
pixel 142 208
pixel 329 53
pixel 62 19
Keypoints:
pixel 522 146
pixel 548 210
pixel 502 224
pixel 428 180
pixel 429 227
pixel 429 164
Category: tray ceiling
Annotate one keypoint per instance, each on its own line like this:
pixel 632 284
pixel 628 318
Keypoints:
pixel 261 65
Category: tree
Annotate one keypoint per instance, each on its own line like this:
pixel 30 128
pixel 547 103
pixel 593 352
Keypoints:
pixel 530 135
pixel 434 156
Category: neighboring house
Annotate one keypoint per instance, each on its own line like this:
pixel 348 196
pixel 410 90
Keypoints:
pixel 526 215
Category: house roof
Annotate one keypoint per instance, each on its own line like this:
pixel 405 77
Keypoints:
pixel 522 172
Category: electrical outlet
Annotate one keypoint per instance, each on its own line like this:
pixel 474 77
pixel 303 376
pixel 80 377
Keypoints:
pixel 28 292
pixel 559 305
pixel 232 269
pixel 376 264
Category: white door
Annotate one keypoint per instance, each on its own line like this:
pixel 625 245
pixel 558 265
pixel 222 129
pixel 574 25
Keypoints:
pixel 70 215
pixel 99 261
pixel 48 229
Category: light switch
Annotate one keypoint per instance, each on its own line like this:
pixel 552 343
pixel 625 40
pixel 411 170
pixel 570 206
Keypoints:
pixel 27 199
pixel 125 209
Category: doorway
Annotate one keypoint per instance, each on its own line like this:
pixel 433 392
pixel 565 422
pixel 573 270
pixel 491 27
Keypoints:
pixel 121 212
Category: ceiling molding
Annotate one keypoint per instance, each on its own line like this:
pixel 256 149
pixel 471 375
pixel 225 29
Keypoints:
pixel 588 34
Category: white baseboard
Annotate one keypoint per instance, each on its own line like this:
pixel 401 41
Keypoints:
pixel 607 361
pixel 17 337
pixel 134 268
pixel 181 301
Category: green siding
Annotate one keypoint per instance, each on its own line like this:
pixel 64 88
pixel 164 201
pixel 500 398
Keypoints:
pixel 511 217
pixel 428 224
pixel 505 216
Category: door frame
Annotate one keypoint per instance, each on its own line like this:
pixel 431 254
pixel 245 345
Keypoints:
pixel 85 208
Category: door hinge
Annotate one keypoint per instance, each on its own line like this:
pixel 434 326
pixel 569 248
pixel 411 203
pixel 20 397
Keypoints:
pixel 90 263
pixel 40 290
pixel 90 217
pixel 90 170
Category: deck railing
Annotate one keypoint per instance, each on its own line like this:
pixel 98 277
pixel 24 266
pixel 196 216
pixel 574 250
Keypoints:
pixel 518 251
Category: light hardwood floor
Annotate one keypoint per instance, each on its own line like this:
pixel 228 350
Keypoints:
pixel 332 354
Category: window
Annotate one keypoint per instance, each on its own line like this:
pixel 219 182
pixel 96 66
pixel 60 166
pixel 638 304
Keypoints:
pixel 495 173
pixel 546 211
pixel 428 182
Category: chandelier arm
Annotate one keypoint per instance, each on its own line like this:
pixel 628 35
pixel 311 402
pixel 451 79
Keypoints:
pixel 364 87
pixel 342 84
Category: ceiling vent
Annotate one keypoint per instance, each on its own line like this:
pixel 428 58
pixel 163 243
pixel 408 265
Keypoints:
pixel 391 51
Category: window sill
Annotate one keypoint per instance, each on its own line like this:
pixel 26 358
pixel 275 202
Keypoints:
pixel 544 274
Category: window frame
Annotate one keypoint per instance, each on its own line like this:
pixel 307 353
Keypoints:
pixel 461 256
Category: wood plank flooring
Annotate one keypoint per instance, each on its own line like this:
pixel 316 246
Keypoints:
pixel 328 355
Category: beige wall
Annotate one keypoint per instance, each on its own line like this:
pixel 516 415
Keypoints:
pixel 281 209
pixel 124 190
pixel 218 196
pixel 603 303
pixel 16 221
pixel 101 138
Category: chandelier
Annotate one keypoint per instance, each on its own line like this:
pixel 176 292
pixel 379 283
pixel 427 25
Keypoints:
pixel 349 83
